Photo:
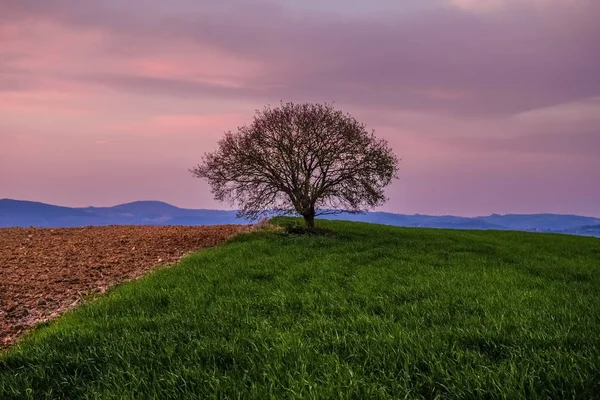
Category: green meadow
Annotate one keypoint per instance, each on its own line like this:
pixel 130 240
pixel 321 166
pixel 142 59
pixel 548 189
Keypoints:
pixel 362 312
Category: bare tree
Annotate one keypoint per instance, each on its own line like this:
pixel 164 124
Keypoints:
pixel 309 159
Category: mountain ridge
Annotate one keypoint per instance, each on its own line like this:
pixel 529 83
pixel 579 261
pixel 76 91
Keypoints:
pixel 23 213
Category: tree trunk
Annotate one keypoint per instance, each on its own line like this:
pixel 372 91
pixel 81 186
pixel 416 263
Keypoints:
pixel 309 220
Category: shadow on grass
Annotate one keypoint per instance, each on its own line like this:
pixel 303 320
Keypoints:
pixel 298 230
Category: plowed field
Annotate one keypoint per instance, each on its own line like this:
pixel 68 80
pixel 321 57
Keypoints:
pixel 44 272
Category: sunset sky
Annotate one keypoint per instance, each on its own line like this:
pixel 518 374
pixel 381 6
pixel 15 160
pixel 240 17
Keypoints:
pixel 493 105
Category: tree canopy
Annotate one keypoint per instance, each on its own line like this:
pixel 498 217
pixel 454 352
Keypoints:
pixel 309 159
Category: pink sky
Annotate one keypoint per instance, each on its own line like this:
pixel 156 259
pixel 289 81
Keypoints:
pixel 493 105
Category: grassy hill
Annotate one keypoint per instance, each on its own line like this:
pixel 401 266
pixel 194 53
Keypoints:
pixel 369 312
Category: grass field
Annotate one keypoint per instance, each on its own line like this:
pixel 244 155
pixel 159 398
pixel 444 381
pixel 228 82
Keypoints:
pixel 369 312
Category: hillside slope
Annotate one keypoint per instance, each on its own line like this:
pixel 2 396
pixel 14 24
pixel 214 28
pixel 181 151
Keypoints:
pixel 370 311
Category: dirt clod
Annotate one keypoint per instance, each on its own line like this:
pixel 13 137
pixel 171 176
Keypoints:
pixel 44 272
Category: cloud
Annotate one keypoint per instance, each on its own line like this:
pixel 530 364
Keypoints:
pixel 507 62
pixel 496 5
pixel 582 114
pixel 212 125
pixel 557 144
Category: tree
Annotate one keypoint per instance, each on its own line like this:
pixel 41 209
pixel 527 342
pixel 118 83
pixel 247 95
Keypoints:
pixel 309 159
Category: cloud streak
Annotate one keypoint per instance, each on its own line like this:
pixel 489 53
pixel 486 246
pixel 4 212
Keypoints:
pixel 510 62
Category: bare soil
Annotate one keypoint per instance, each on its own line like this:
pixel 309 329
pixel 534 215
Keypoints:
pixel 44 272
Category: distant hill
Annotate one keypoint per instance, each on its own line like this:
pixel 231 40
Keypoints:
pixel 540 222
pixel 587 230
pixel 15 213
pixel 555 223
pixel 28 213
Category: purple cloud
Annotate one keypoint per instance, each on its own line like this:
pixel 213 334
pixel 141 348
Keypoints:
pixel 503 63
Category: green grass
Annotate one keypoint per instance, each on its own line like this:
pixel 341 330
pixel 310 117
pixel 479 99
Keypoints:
pixel 370 312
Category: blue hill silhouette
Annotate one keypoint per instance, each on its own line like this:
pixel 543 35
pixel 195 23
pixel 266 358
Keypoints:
pixel 18 213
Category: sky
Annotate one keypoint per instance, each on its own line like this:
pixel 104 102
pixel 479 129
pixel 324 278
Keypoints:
pixel 492 105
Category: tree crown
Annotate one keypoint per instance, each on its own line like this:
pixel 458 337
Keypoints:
pixel 309 159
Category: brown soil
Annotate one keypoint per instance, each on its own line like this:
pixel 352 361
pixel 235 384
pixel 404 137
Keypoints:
pixel 44 272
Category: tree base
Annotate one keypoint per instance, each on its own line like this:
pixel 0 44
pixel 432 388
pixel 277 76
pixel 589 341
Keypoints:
pixel 297 230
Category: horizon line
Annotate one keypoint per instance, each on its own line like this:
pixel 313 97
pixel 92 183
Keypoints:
pixel 343 212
